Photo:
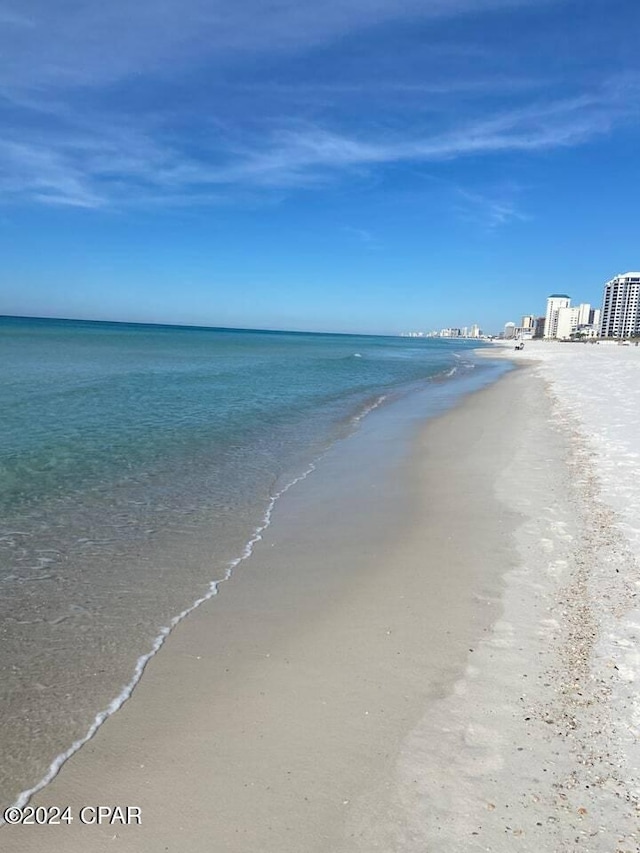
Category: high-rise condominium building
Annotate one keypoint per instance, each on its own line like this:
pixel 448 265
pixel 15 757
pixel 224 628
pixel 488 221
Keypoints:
pixel 574 319
pixel 620 316
pixel 554 303
pixel 567 322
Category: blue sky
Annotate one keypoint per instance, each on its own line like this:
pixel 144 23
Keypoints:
pixel 350 165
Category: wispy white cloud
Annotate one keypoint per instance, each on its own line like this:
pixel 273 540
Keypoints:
pixel 92 164
pixel 447 86
pixel 67 139
pixel 305 153
pixel 363 235
pixel 490 209
pixel 48 44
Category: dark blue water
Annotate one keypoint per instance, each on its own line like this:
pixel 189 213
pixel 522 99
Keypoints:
pixel 136 462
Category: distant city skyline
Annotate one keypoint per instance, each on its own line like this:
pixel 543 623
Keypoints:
pixel 347 167
pixel 616 315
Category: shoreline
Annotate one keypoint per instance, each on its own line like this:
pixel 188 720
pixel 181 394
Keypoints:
pixel 346 693
pixel 173 551
pixel 136 467
pixel 114 706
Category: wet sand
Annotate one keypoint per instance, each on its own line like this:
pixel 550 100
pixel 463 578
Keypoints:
pixel 400 666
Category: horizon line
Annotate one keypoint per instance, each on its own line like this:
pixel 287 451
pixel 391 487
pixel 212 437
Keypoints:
pixel 198 327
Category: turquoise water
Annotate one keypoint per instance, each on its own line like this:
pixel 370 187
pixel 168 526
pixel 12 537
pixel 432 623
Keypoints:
pixel 136 463
pixel 92 403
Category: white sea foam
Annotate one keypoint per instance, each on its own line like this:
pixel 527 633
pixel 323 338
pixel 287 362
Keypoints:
pixel 368 409
pixel 124 695
pixel 143 660
pixel 57 764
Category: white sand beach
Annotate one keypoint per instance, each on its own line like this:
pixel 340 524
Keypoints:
pixel 444 661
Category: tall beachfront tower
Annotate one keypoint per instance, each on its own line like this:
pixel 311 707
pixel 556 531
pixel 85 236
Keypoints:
pixel 554 303
pixel 620 316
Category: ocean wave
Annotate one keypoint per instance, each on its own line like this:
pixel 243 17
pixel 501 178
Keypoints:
pixel 127 691
pixel 125 694
pixel 368 409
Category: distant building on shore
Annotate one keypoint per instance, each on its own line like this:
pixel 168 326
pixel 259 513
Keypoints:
pixel 620 316
pixel 573 319
pixel 528 322
pixel 464 332
pixel 538 329
pixel 555 303
pixel 565 321
pixel 523 332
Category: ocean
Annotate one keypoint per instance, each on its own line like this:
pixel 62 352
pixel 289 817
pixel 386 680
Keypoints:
pixel 138 466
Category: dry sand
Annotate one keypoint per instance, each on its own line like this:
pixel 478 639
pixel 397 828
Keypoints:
pixel 403 665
